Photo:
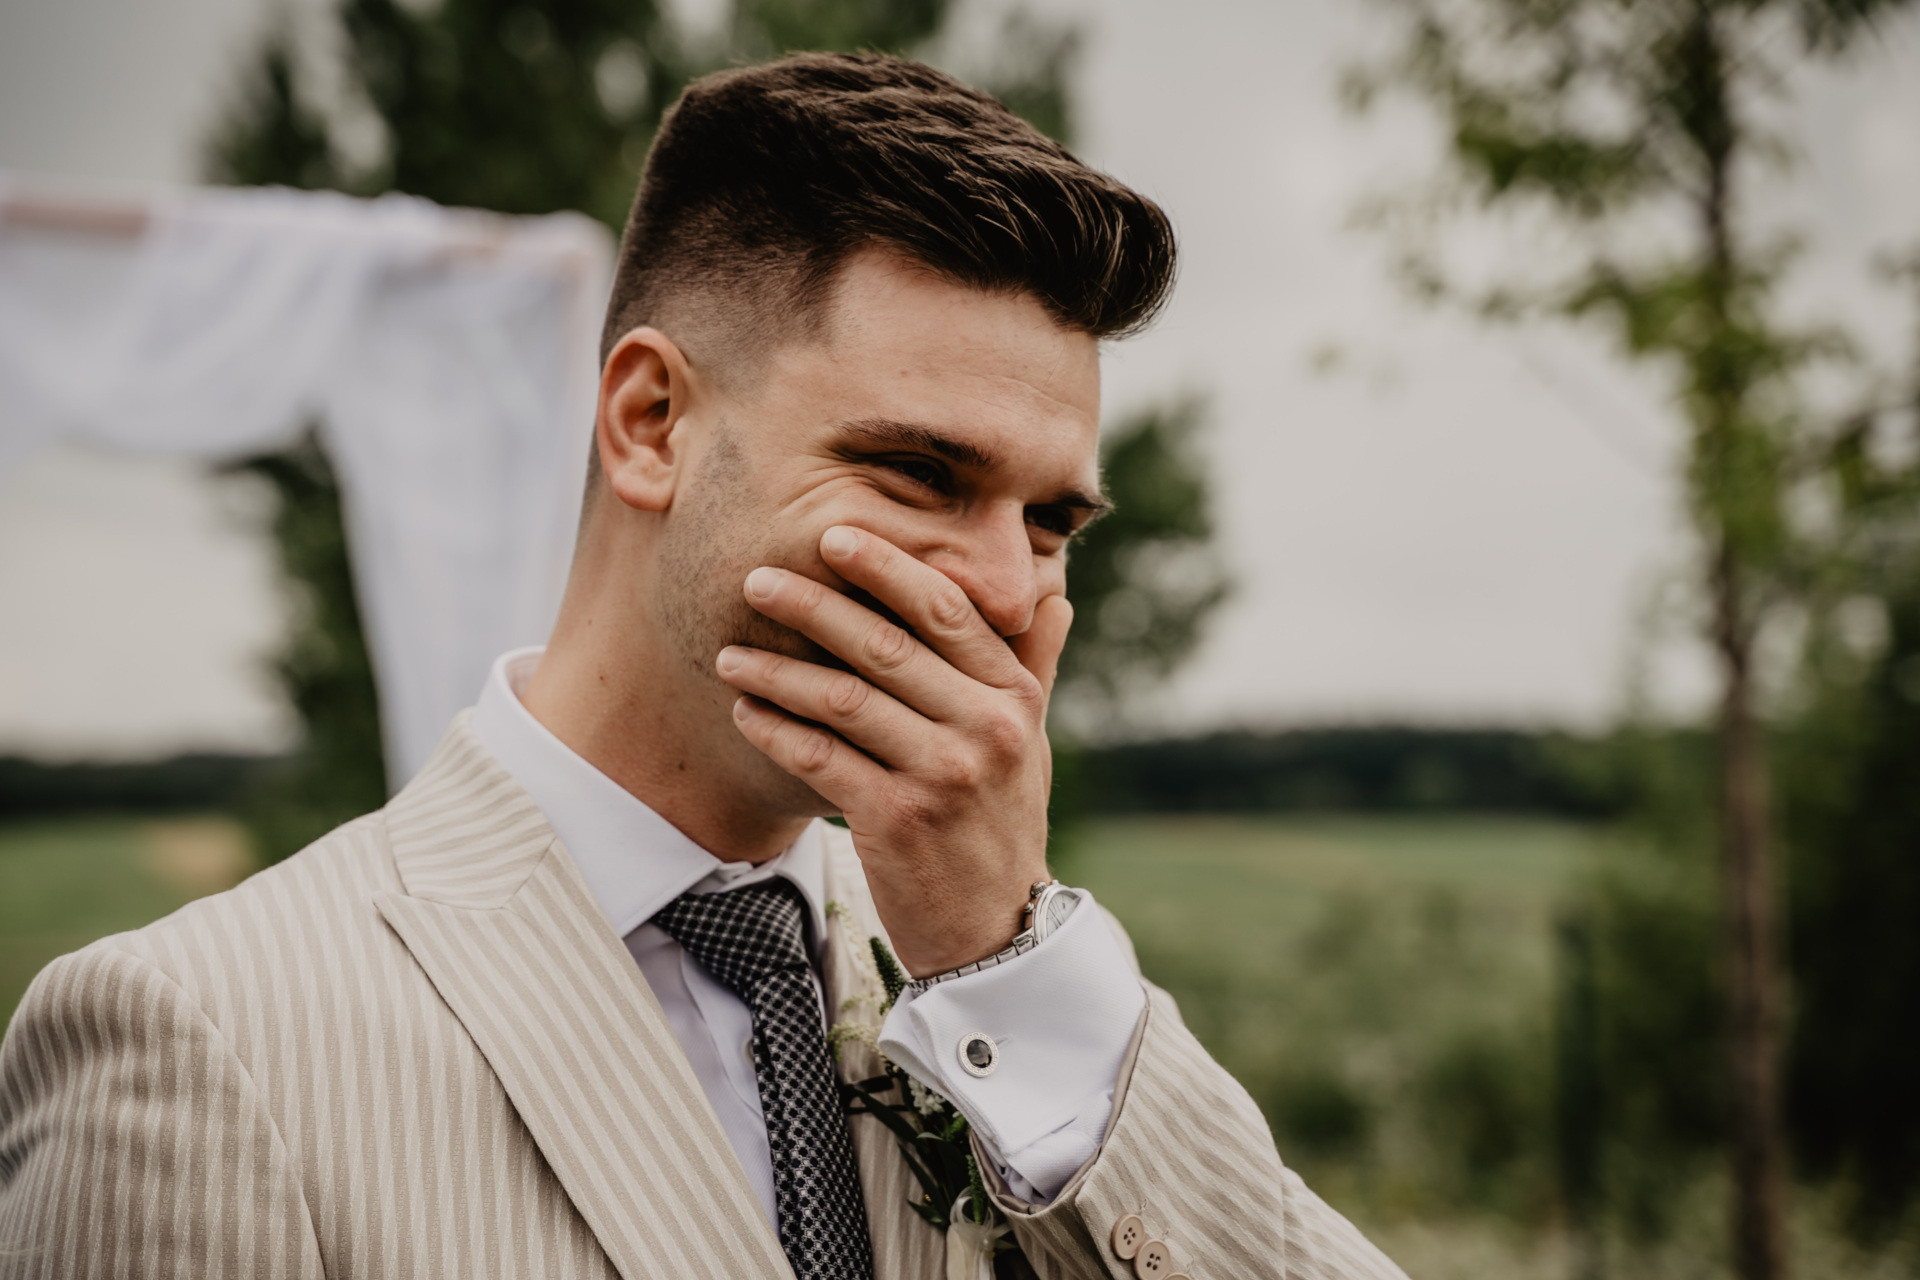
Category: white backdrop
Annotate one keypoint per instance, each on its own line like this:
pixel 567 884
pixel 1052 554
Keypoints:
pixel 448 357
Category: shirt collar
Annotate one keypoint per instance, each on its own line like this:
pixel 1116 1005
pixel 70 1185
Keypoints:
pixel 634 861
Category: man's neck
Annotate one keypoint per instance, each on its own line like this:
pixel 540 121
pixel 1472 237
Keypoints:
pixel 646 736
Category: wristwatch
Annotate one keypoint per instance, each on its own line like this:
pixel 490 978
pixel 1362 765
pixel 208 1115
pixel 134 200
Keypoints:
pixel 1049 903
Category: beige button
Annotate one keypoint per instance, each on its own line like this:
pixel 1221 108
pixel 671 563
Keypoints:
pixel 1128 1235
pixel 1179 1275
pixel 1154 1261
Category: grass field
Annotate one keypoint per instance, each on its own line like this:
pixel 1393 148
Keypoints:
pixel 65 883
pixel 1382 987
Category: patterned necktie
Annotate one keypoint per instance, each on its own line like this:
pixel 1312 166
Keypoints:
pixel 754 941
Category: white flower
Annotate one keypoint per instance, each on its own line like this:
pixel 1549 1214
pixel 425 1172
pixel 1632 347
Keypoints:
pixel 971 1245
pixel 858 946
pixel 925 1100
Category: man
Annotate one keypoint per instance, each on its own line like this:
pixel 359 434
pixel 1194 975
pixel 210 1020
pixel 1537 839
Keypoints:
pixel 560 1008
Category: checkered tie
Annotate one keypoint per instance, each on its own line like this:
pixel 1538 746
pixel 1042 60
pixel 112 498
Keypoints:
pixel 754 941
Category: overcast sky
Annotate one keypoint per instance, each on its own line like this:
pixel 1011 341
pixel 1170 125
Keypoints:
pixel 1447 524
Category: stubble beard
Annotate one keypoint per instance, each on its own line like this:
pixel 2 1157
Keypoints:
pixel 707 551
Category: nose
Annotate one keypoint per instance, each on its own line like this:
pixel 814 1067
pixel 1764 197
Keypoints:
pixel 993 562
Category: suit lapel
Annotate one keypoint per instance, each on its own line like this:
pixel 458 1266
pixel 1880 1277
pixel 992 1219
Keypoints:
pixel 503 924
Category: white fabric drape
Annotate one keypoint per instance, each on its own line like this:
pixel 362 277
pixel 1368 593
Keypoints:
pixel 449 359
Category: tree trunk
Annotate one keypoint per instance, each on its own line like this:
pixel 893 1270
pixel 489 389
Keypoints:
pixel 1723 386
pixel 1753 1007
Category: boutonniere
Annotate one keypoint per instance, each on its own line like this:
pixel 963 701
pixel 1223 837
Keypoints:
pixel 930 1131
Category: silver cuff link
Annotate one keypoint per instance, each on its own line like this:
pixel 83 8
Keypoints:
pixel 979 1055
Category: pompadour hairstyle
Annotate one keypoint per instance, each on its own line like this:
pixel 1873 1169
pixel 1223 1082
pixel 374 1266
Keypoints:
pixel 764 180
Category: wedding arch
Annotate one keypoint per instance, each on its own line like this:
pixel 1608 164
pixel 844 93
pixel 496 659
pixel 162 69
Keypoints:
pixel 447 357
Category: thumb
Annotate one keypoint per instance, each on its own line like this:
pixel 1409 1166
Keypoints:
pixel 1038 647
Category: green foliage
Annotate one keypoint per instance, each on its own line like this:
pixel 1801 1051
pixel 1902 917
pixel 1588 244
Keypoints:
pixel 768 28
pixel 1379 985
pixel 272 137
pixel 1324 1114
pixel 1621 138
pixel 1628 128
pixel 1579 1119
pixel 892 977
pixel 1357 769
pixel 1662 1046
pixel 198 782
pixel 1851 801
pixel 1145 579
pixel 489 104
pixel 1853 811
pixel 338 772
pixel 525 108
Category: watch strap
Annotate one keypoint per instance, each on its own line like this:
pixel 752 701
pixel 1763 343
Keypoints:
pixel 1023 942
pixel 1039 922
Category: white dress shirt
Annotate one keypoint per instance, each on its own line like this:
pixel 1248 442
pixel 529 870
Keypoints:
pixel 1062 1014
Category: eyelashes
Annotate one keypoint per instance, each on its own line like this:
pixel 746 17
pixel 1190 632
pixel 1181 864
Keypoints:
pixel 935 478
pixel 928 475
pixel 1053 520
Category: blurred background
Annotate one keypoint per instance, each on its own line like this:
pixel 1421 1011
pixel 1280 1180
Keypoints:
pixel 1495 706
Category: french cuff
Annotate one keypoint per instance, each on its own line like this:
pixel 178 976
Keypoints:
pixel 1059 1020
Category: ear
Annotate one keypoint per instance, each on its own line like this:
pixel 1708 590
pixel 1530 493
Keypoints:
pixel 644 394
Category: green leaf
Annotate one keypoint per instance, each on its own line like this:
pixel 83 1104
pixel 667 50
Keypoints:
pixel 979 1208
pixel 892 976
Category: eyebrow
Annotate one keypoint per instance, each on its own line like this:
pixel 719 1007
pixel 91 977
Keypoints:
pixel 887 433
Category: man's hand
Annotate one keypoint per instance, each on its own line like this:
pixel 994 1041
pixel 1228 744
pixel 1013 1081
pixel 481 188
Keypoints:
pixel 936 751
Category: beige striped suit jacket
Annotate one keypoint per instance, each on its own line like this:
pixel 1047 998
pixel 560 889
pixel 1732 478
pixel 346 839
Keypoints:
pixel 417 1049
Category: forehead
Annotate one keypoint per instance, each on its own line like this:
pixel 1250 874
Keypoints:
pixel 902 344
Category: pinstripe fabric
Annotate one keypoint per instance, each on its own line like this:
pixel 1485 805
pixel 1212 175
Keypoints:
pixel 417 1049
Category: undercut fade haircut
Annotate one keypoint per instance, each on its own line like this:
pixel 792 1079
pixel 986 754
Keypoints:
pixel 764 180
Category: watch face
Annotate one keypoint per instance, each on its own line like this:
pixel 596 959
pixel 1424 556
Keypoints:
pixel 1055 907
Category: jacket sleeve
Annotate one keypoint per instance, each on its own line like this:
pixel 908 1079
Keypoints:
pixel 1191 1156
pixel 133 1143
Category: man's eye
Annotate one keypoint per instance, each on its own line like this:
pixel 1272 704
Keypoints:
pixel 1054 520
pixel 919 471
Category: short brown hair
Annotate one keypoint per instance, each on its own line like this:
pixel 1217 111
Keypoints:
pixel 764 180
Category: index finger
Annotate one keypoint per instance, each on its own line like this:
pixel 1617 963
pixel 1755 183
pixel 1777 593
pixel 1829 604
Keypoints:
pixel 1038 647
pixel 930 602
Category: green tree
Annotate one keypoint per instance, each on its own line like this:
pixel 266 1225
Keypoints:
pixel 1632 129
pixel 531 108
pixel 1145 578
pixel 339 769
pixel 1851 806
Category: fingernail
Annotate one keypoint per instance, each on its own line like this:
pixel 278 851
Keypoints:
pixel 743 709
pixel 730 660
pixel 761 582
pixel 840 541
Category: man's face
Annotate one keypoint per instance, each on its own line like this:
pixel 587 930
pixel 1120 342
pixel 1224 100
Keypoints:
pixel 961 426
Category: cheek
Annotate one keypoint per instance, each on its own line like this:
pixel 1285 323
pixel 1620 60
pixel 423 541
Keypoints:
pixel 804 519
